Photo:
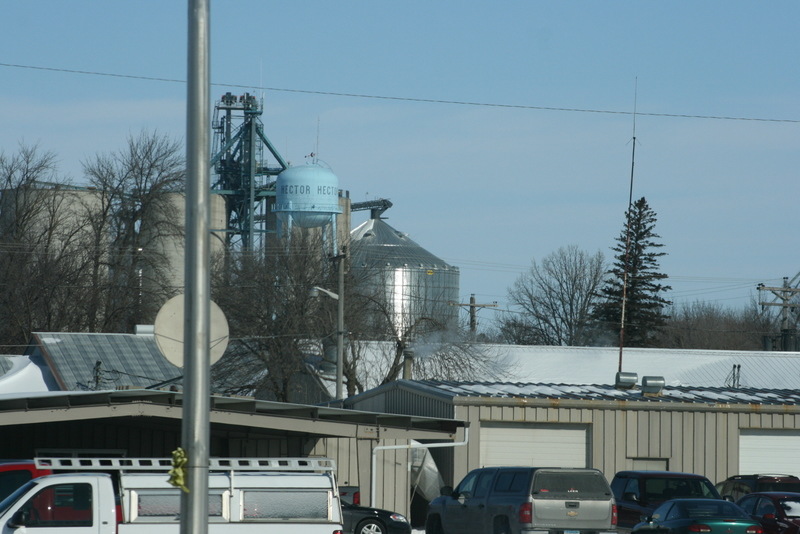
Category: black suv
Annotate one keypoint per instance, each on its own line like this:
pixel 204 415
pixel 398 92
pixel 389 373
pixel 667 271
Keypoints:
pixel 638 493
pixel 738 486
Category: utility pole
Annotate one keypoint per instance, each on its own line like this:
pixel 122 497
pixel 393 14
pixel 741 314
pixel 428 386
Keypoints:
pixel 473 313
pixel 784 295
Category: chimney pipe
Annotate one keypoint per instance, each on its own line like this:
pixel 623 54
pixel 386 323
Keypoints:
pixel 408 363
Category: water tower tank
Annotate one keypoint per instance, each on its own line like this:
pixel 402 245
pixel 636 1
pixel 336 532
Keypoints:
pixel 309 194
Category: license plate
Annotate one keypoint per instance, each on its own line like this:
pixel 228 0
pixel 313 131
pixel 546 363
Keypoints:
pixel 572 532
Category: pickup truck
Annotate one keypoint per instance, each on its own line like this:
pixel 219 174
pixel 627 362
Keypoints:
pixel 281 495
pixel 524 500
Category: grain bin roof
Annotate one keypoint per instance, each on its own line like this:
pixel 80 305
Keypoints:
pixel 377 243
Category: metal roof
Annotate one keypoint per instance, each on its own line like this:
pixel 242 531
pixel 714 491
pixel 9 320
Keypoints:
pixel 449 390
pixel 684 394
pixel 374 242
pixel 82 361
pixel 237 411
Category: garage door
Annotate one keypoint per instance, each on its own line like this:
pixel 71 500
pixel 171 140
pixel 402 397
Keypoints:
pixel 769 451
pixel 536 445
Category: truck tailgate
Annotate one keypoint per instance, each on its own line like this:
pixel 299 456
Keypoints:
pixel 572 514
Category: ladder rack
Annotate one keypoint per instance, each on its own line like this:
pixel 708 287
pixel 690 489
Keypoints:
pixel 307 465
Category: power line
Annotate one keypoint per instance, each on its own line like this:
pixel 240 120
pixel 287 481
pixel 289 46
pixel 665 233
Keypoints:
pixel 404 98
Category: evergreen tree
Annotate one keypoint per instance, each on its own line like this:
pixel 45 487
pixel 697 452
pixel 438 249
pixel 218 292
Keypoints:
pixel 634 273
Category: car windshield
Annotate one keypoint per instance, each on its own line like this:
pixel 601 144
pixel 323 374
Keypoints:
pixel 9 501
pixel 700 509
pixel 791 508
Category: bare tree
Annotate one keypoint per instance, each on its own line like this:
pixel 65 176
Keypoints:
pixel 43 257
pixel 135 212
pixel 555 298
pixel 265 295
pixel 703 325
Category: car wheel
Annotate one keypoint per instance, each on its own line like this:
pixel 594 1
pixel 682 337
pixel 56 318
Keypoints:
pixel 370 526
pixel 433 525
pixel 501 526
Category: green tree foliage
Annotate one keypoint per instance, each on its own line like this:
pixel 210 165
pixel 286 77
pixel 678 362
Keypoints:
pixel 635 281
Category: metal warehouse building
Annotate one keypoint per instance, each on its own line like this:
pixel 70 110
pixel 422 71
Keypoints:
pixel 716 432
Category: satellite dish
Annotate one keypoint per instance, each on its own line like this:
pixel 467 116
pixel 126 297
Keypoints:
pixel 168 331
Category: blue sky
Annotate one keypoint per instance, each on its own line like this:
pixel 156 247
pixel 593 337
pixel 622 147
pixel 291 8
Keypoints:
pixel 487 188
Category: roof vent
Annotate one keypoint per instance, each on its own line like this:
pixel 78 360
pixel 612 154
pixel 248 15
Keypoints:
pixel 652 385
pixel 625 380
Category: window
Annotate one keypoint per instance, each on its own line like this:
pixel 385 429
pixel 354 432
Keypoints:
pixel 62 505
pixel 570 485
pixel 165 505
pixel 512 482
pixel 286 504
pixel 765 506
pixel 748 504
pixel 467 486
pixel 484 482
pixel 632 486
pixel 11 480
pixel 791 508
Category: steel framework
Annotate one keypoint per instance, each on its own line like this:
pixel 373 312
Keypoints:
pixel 243 175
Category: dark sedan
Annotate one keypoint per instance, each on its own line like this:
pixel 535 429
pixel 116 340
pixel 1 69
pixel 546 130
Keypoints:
pixel 699 516
pixel 364 520
pixel 777 511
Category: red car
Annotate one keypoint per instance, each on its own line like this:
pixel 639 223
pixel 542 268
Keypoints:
pixel 777 511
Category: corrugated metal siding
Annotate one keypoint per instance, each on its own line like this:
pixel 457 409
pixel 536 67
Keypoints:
pixel 696 440
pixel 397 397
pixel 354 460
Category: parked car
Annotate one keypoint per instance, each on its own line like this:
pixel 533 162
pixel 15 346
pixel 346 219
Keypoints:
pixel 351 494
pixel 738 486
pixel 693 516
pixel 365 520
pixel 777 511
pixel 639 493
pixel 512 500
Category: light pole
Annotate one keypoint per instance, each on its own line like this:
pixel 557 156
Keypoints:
pixel 339 298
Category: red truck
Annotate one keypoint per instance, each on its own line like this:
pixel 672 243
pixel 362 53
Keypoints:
pixel 15 473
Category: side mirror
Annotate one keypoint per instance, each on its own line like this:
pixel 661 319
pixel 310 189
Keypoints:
pixel 447 491
pixel 630 496
pixel 728 498
pixel 19 519
pixel 769 517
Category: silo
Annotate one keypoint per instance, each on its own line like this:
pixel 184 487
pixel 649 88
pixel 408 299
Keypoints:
pixel 416 287
pixel 58 217
pixel 163 240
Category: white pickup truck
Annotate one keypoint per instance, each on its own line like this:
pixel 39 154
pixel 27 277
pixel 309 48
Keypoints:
pixel 245 496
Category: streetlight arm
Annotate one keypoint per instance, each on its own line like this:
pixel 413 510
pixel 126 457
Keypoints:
pixel 316 290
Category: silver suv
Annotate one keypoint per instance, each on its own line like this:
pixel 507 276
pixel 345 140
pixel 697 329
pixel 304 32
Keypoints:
pixel 522 500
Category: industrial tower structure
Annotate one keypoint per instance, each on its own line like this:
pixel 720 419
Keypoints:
pixel 244 176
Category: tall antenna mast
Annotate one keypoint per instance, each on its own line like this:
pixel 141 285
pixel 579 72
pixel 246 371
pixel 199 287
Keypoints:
pixel 628 233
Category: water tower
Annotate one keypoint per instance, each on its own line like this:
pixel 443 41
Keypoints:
pixel 307 196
